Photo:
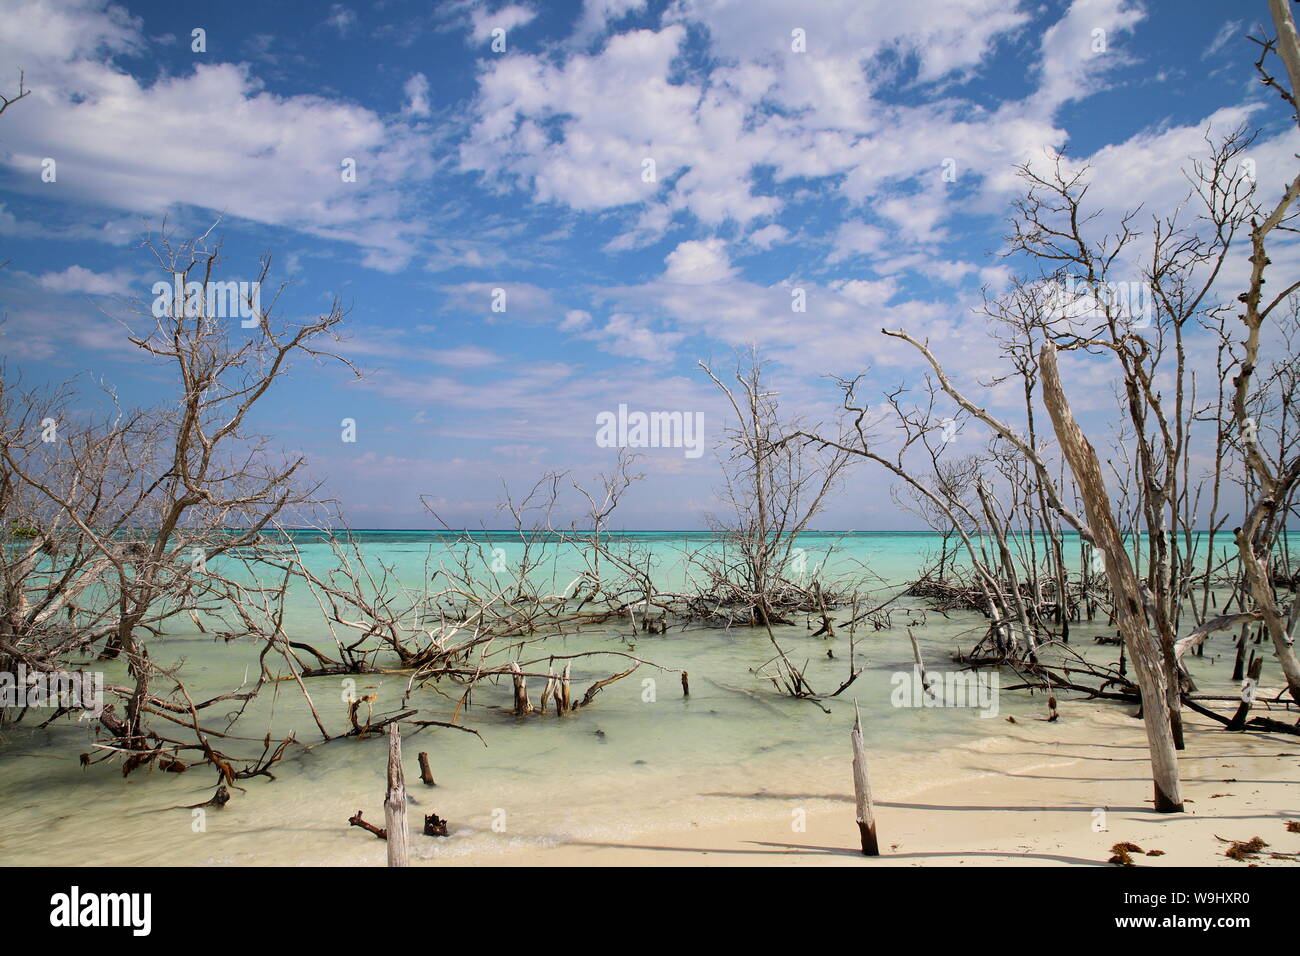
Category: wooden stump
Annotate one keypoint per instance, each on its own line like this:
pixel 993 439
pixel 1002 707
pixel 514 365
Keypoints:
pixel 866 812
pixel 425 773
pixel 395 801
pixel 1248 690
pixel 523 706
pixel 549 692
pixel 557 696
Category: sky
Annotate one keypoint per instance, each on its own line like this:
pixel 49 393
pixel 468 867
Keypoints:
pixel 649 184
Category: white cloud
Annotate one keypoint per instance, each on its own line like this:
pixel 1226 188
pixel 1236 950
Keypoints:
pixel 465 356
pixel 768 236
pixel 598 15
pixel 1231 30
pixel 483 22
pixel 417 95
pixel 521 301
pixel 76 279
pixel 575 320
pixel 216 139
pixel 856 238
pixel 341 18
pixel 577 129
pixel 699 262
pixel 655 220
pixel 945 37
pixel 1083 45
pixel 627 335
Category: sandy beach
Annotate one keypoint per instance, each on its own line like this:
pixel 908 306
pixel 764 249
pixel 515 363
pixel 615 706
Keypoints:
pixel 1029 799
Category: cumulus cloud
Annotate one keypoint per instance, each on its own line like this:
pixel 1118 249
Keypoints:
pixel 507 18
pixel 579 129
pixel 76 279
pixel 216 138
pixel 854 238
pixel 598 15
pixel 630 336
pixel 1082 46
pixel 768 236
pixel 699 262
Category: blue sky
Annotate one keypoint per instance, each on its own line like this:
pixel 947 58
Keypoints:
pixel 522 169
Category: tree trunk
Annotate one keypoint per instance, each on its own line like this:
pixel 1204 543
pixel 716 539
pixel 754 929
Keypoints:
pixel 866 813
pixel 395 801
pixel 1143 648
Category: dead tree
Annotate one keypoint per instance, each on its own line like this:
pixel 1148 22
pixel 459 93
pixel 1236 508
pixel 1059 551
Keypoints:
pixel 1276 480
pixel 395 825
pixel 1143 648
pixel 773 489
pixel 133 515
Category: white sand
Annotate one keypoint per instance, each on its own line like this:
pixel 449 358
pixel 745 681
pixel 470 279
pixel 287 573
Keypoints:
pixel 1029 798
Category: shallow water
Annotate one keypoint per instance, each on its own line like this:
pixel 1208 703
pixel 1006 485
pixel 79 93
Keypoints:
pixel 641 757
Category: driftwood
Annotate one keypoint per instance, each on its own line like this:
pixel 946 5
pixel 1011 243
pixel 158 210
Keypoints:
pixel 595 688
pixel 866 812
pixel 395 802
pixel 356 821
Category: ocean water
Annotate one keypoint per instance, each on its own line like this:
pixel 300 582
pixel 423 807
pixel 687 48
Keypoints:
pixel 641 758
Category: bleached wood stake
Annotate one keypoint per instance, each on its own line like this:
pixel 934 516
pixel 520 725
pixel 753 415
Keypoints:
pixel 1248 687
pixel 866 814
pixel 523 706
pixel 920 667
pixel 555 689
pixel 395 801
pixel 566 699
pixel 549 692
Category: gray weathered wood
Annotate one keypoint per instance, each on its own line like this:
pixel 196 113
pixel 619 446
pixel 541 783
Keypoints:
pixel 866 812
pixel 395 802
pixel 523 706
pixel 1143 647
pixel 920 667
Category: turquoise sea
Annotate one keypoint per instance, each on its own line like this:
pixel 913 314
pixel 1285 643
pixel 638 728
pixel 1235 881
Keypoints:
pixel 641 758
